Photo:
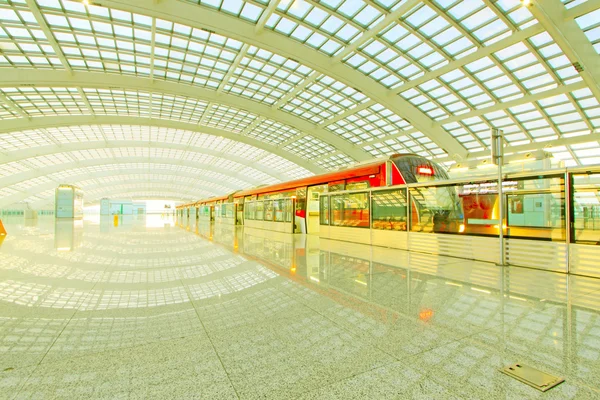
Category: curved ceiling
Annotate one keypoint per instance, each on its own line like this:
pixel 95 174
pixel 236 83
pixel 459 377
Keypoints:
pixel 204 97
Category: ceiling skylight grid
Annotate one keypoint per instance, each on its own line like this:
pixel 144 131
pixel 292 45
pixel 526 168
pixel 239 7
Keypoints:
pixel 265 77
pixel 590 25
pixel 40 101
pixel 7 113
pixel 309 147
pixel 323 99
pixel 370 123
pixel 229 118
pixel 273 132
pixel 335 161
pixel 118 102
pixel 326 26
pixel 22 42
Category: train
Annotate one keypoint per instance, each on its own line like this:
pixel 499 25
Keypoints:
pixel 295 205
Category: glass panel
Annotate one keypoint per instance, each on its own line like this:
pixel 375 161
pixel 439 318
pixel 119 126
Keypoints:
pixel 278 206
pixel 228 210
pixel 536 208
pixel 324 210
pixel 350 209
pixel 249 210
pixel 586 208
pixel 259 213
pixel 389 209
pixel 437 209
pixel 287 210
pixel 268 210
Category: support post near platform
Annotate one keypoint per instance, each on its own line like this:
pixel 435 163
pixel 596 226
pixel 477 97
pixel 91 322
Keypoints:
pixel 498 159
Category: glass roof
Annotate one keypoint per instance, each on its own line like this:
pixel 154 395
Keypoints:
pixel 256 92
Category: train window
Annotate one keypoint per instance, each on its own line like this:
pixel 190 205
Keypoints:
pixel 389 209
pixel 586 208
pixel 324 210
pixel 358 185
pixel 350 209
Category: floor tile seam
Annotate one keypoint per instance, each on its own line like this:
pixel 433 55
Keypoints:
pixel 75 310
pixel 136 346
pixel 210 340
pixel 346 378
pixel 345 329
pixel 479 330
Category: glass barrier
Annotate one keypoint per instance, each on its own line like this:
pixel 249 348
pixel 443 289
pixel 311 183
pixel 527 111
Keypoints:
pixel 283 210
pixel 259 210
pixel 324 210
pixel 227 210
pixel 536 208
pixel 389 209
pixel 268 210
pixel 438 209
pixel 249 208
pixel 586 208
pixel 350 209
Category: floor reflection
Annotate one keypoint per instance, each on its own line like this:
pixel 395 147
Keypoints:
pixel 176 310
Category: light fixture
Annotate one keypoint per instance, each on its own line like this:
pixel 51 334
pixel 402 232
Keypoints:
pixel 526 3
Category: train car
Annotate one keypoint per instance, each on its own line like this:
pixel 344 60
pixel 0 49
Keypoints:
pixel 395 170
pixel 294 206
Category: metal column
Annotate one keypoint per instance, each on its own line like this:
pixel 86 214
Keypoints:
pixel 498 159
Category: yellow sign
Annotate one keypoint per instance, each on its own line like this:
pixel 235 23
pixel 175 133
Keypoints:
pixel 2 230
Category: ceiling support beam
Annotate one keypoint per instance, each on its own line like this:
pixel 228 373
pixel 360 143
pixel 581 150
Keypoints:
pixel 372 32
pixel 230 26
pixel 347 113
pixel 86 100
pixel 13 107
pixel 296 90
pixel 581 9
pixel 24 154
pixel 221 173
pixel 594 137
pixel 11 77
pixel 48 33
pixel 13 125
pixel 516 102
pixel 571 39
pixel 264 18
pixel 480 53
pixel 236 62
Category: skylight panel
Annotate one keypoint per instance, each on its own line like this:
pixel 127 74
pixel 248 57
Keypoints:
pixel 323 99
pixel 309 147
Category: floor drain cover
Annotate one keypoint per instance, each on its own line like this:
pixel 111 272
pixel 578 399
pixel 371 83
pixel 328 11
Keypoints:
pixel 533 377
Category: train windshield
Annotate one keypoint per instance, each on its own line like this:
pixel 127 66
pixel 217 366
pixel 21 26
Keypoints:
pixel 416 169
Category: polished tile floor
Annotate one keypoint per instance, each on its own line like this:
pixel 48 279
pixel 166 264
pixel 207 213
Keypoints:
pixel 154 308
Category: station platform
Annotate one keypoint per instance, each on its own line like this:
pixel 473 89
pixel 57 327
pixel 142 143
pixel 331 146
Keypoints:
pixel 150 307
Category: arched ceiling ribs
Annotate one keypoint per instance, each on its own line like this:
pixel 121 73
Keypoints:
pixel 76 180
pixel 571 39
pixel 21 124
pixel 55 78
pixel 168 188
pixel 47 170
pixel 137 195
pixel 208 19
pixel 77 146
pixel 594 137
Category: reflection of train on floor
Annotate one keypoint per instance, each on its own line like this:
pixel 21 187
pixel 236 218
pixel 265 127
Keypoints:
pixel 294 206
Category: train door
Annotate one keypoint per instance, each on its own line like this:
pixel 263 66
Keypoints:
pixel 312 207
pixel 212 212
